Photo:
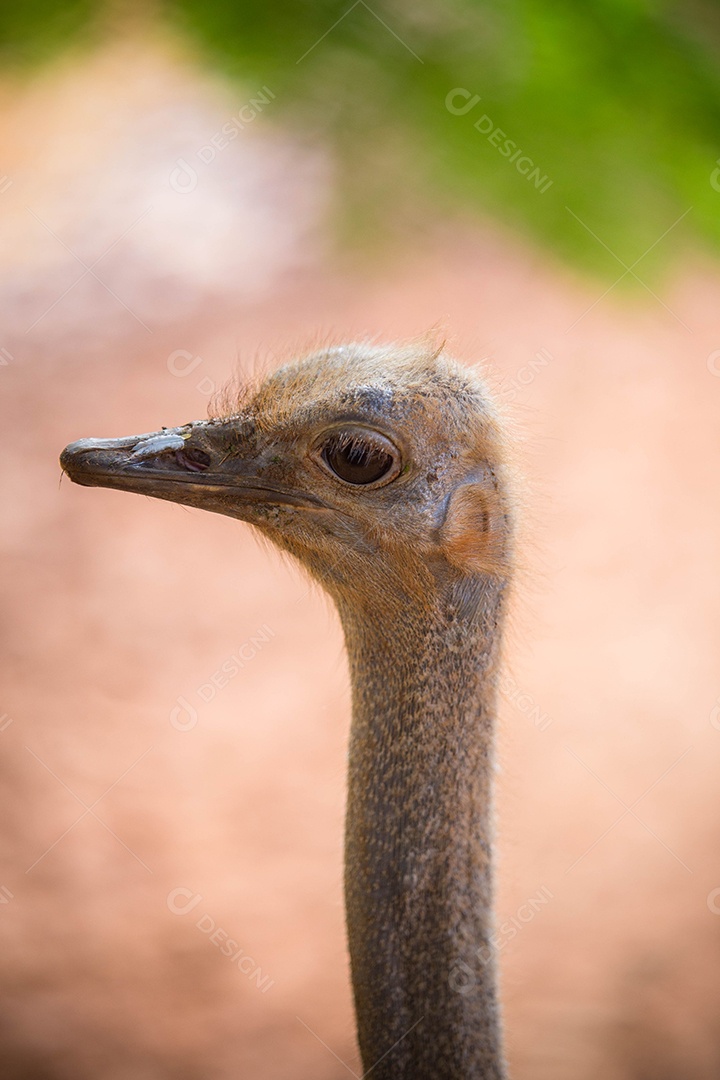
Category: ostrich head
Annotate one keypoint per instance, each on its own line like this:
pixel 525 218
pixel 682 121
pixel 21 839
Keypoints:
pixel 382 471
pixel 376 467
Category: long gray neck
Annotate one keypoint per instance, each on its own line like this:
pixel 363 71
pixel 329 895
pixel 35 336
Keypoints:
pixel 418 864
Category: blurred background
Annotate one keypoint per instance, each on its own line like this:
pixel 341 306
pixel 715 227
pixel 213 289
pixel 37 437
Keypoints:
pixel 190 189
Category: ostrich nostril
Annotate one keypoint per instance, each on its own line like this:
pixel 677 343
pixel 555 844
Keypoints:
pixel 192 459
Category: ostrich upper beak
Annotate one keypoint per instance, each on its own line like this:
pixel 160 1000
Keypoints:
pixel 183 465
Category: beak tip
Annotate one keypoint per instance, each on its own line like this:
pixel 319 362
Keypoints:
pixel 76 457
pixel 70 462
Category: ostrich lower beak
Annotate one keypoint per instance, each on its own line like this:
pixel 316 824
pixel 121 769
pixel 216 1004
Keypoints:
pixel 179 465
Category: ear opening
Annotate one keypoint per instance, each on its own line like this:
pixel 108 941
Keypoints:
pixel 475 535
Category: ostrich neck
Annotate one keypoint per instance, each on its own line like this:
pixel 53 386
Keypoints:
pixel 418 873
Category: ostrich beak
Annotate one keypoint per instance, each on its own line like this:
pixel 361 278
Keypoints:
pixel 183 465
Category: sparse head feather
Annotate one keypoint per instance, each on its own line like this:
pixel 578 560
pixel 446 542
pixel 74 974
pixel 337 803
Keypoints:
pixel 441 414
pixel 416 382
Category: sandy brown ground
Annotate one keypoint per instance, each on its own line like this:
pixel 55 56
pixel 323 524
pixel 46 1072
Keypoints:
pixel 118 611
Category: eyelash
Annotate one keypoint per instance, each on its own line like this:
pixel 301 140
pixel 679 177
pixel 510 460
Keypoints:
pixel 344 440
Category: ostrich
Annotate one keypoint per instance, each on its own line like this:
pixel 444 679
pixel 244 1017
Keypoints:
pixel 381 469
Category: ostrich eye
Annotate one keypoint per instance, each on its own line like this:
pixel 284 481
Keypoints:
pixel 360 457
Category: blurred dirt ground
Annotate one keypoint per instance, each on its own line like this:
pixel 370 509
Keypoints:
pixel 147 807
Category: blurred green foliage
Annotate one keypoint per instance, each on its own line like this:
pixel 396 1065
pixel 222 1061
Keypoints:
pixel 32 32
pixel 616 102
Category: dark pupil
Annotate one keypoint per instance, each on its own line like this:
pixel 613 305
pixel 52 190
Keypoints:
pixel 357 462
